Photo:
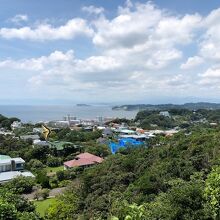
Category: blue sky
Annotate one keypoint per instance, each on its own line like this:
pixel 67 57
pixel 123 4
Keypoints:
pixel 71 51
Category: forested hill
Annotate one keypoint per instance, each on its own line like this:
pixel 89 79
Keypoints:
pixel 173 178
pixel 190 106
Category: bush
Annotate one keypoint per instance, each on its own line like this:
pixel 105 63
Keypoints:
pixel 7 211
pixel 21 184
pixel 53 182
pixel 35 164
pixel 43 179
pixel 44 193
pixel 54 161
pixel 65 183
pixel 60 175
pixel 66 175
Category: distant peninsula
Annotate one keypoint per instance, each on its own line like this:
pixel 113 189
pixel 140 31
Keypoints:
pixel 190 106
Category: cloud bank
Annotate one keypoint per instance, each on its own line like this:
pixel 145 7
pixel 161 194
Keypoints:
pixel 143 50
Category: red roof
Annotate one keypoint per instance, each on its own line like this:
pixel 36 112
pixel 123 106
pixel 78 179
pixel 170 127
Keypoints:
pixel 83 160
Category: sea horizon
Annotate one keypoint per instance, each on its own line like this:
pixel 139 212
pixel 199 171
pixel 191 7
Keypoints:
pixel 38 113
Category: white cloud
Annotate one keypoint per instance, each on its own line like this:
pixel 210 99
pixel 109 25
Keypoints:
pixel 178 30
pixel 129 3
pixel 192 62
pixel 138 51
pixel 210 44
pixel 93 10
pixel 136 48
pixel 38 64
pixel 210 78
pixel 18 19
pixel 71 29
pixel 145 32
pixel 128 28
pixel 145 23
pixel 212 73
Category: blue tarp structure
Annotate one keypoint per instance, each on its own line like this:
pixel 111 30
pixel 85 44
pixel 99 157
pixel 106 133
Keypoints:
pixel 124 142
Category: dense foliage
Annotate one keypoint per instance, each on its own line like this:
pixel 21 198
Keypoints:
pixel 168 180
pixel 14 207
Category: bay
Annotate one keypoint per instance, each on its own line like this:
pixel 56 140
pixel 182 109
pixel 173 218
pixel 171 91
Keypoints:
pixel 37 113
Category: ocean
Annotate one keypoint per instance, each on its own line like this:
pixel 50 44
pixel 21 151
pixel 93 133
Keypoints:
pixel 28 113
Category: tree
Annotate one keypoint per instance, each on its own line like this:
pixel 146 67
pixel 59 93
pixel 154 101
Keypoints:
pixel 53 161
pixel 14 206
pixel 43 179
pixel 21 184
pixel 212 192
pixel 7 211
pixel 35 165
pixel 65 207
pixel 131 212
pixel 28 216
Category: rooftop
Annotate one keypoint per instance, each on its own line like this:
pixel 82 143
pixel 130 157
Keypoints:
pixel 83 160
pixel 3 157
pixel 8 160
pixel 7 176
pixel 31 136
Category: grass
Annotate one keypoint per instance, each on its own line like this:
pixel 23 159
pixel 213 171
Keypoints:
pixel 43 205
pixel 53 169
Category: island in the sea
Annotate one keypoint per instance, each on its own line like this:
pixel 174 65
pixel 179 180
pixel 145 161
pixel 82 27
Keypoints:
pixel 83 105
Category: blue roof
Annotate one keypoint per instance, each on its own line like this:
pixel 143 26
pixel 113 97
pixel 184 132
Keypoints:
pixel 123 143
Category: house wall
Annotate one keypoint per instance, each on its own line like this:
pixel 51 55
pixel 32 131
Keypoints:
pixel 8 167
pixel 5 167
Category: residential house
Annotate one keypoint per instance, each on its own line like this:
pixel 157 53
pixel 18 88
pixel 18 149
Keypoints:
pixel 83 160
pixel 11 168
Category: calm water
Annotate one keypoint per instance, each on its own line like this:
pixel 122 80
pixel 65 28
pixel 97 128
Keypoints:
pixel 45 113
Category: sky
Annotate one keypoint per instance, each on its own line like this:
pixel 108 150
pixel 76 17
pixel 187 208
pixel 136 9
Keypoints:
pixel 115 51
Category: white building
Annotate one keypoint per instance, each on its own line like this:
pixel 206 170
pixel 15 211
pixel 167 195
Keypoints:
pixel 37 130
pixel 16 125
pixel 165 113
pixel 40 143
pixel 11 168
pixel 11 164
